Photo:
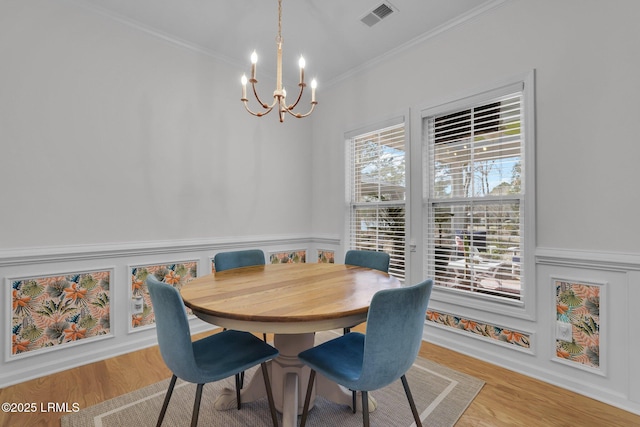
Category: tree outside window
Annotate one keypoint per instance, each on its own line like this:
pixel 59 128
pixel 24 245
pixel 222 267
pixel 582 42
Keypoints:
pixel 377 194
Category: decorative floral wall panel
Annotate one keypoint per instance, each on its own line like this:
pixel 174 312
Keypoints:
pixel 326 256
pixel 287 257
pixel 176 274
pixel 50 312
pixel 485 330
pixel 579 305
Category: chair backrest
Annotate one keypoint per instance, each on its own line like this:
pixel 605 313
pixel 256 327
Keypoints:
pixel 394 333
pixel 236 259
pixel 368 259
pixel 172 328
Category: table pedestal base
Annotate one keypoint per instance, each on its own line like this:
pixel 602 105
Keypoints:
pixel 289 379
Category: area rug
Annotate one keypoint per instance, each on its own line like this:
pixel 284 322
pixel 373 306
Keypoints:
pixel 441 395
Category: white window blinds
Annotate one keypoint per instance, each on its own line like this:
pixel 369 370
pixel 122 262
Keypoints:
pixel 474 206
pixel 377 194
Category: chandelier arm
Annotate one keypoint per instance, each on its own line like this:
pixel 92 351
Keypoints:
pixel 260 114
pixel 300 116
pixel 255 93
pixel 302 86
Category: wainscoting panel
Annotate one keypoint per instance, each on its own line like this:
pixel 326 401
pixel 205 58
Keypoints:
pixel 595 294
pixel 633 299
pixel 288 257
pixel 326 256
pixel 176 273
pixel 498 334
pixel 69 306
pixel 579 305
pixel 51 312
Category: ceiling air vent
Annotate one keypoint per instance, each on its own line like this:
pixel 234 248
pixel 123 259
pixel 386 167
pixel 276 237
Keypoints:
pixel 378 14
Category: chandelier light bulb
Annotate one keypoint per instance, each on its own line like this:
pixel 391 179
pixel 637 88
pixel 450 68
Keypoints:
pixel 314 85
pixel 254 60
pixel 301 64
pixel 243 80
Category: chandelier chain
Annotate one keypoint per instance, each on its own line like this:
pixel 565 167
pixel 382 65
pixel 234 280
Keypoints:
pixel 279 39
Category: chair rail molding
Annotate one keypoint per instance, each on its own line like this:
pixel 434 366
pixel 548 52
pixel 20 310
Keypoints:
pixel 607 261
pixel 53 254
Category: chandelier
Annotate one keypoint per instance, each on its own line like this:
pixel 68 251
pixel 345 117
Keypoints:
pixel 280 94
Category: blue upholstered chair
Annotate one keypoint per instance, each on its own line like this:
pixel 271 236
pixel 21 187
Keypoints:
pixel 236 259
pixel 210 359
pixel 368 362
pixel 368 259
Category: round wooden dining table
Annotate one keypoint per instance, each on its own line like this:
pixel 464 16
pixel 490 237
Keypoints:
pixel 292 301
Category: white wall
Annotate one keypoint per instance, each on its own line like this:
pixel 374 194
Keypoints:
pixel 110 134
pixel 586 67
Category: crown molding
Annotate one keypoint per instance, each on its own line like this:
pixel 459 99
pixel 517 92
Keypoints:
pixel 456 22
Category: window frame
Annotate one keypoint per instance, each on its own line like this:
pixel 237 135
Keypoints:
pixel 350 204
pixel 525 307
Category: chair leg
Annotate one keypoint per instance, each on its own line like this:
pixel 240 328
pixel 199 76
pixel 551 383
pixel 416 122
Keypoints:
pixel 307 399
pixel 267 385
pixel 239 377
pixel 345 331
pixel 167 398
pixel 414 411
pixel 238 387
pixel 196 406
pixel 365 408
pixel 264 337
pixel 353 400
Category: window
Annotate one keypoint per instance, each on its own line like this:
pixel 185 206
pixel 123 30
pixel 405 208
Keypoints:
pixel 376 174
pixel 475 194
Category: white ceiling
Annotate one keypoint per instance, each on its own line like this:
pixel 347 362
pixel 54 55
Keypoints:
pixel 329 33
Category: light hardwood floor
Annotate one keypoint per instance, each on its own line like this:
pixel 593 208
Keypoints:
pixel 507 398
